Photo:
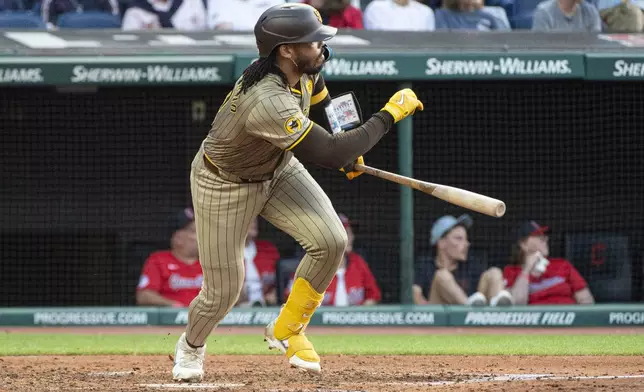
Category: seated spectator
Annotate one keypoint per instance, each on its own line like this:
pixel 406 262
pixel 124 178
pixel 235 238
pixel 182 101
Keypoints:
pixel 400 15
pixel 173 277
pixel 338 13
pixel 535 279
pixel 566 15
pixel 468 15
pixel 237 15
pixel 260 260
pixel 184 15
pixel 445 280
pixel 353 283
pixel 52 9
pixel 621 16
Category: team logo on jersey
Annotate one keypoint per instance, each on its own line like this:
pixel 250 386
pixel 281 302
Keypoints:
pixel 293 124
pixel 309 86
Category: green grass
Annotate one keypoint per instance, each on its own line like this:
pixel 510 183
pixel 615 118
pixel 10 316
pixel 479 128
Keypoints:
pixel 62 344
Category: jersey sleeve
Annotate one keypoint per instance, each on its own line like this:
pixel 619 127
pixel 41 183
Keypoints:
pixel 577 282
pixel 278 119
pixel 150 278
pixel 320 92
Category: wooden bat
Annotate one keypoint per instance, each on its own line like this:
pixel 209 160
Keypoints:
pixel 460 197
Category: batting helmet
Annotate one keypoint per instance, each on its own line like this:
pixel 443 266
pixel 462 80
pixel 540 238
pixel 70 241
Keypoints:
pixel 290 23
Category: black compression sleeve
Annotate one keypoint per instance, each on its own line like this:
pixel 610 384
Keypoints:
pixel 318 114
pixel 340 149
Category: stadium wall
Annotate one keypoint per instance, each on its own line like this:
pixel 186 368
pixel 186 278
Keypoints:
pixel 384 315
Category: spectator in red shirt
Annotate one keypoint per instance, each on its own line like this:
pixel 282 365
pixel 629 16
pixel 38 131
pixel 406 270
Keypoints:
pixel 536 279
pixel 173 277
pixel 338 13
pixel 260 260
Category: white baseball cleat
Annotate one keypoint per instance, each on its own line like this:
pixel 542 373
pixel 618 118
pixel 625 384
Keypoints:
pixel 188 361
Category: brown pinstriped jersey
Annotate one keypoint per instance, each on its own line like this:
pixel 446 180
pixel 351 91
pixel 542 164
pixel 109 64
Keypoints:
pixel 252 132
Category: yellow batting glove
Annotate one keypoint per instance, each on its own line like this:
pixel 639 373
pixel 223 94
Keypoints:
pixel 353 174
pixel 403 104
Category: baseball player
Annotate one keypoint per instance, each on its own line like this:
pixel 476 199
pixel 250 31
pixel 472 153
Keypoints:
pixel 249 165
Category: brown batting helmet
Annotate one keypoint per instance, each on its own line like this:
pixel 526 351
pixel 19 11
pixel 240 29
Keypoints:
pixel 290 23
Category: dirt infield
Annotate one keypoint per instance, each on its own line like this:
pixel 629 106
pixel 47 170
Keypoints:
pixel 341 373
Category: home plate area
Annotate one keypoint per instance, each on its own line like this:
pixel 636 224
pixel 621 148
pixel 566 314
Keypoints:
pixel 340 373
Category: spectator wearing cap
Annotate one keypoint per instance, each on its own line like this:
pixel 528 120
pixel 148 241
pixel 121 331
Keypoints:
pixel 260 261
pixel 338 13
pixel 399 15
pixel 353 283
pixel 173 277
pixel 534 278
pixel 446 280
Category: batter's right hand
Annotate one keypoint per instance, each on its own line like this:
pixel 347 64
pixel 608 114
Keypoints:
pixel 403 104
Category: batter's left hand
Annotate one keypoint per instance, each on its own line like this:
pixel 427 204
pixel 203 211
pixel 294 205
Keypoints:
pixel 349 172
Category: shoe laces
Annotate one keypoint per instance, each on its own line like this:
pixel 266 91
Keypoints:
pixel 192 356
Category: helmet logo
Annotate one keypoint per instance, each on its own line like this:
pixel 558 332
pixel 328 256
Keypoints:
pixel 317 15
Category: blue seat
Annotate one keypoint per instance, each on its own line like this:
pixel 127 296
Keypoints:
pixel 522 22
pixel 21 19
pixel 88 20
pixel 523 12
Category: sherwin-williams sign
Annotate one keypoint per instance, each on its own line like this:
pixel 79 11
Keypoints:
pixel 117 70
pixel 461 66
pixel 224 69
pixel 614 67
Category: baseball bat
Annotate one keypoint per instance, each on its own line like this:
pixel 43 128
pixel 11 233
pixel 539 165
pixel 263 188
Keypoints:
pixel 460 197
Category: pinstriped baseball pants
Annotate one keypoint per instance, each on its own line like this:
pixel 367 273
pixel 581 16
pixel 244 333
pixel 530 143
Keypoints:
pixel 292 201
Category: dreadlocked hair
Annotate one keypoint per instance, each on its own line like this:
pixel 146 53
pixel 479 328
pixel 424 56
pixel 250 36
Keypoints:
pixel 259 69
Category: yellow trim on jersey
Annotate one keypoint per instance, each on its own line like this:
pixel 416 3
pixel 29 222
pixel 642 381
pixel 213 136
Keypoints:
pixel 296 90
pixel 319 97
pixel 210 160
pixel 306 132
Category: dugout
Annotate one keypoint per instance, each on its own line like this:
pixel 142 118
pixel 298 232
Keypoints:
pixel 97 143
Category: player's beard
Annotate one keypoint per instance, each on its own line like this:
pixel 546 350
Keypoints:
pixel 309 67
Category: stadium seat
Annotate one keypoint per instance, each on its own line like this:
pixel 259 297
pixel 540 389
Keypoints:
pixel 603 259
pixel 88 20
pixel 522 13
pixel 17 20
